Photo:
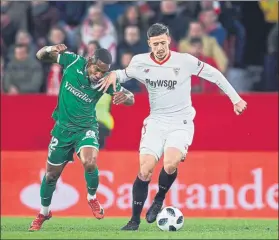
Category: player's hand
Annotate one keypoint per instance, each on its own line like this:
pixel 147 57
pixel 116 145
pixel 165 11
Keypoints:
pixel 119 98
pixel 105 82
pixel 240 107
pixel 59 48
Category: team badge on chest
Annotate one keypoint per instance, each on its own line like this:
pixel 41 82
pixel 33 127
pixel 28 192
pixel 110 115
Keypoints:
pixel 176 71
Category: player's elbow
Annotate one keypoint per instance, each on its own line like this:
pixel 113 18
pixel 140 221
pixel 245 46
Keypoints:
pixel 211 74
pixel 38 55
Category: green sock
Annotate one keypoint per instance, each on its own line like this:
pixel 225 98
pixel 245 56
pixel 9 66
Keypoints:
pixel 46 192
pixel 92 180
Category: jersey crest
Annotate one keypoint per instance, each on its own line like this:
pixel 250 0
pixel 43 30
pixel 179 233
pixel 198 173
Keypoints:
pixel 176 71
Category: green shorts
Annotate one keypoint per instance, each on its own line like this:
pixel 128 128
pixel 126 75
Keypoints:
pixel 64 143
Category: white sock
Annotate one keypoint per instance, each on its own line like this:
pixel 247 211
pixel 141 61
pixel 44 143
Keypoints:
pixel 90 197
pixel 44 210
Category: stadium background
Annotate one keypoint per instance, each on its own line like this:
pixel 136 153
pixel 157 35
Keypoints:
pixel 232 166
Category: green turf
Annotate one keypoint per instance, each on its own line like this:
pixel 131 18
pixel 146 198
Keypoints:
pixel 85 228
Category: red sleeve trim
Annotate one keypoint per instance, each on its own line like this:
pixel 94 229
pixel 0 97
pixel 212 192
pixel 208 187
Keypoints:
pixel 201 69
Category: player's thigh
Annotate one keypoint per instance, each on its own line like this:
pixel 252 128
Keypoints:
pixel 61 147
pixel 152 139
pixel 87 146
pixel 176 145
pixel 172 157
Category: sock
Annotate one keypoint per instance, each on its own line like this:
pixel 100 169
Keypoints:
pixel 44 210
pixel 92 181
pixel 165 182
pixel 140 192
pixel 90 197
pixel 46 192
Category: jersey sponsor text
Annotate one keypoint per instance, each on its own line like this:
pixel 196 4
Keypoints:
pixel 78 93
pixel 169 84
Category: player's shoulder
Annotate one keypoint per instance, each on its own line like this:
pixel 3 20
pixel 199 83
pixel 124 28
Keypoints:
pixel 81 58
pixel 72 55
pixel 69 54
pixel 184 57
pixel 179 55
pixel 140 58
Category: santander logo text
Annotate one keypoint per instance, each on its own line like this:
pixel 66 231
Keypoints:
pixel 248 196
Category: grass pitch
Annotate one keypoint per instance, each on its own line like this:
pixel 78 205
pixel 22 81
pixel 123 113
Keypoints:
pixel 87 228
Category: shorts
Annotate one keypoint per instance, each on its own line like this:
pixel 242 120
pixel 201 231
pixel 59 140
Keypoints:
pixel 158 135
pixel 64 143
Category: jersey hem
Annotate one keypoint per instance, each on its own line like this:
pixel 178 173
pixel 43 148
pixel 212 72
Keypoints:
pixel 77 129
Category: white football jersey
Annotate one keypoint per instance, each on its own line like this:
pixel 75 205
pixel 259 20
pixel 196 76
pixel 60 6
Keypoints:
pixel 169 83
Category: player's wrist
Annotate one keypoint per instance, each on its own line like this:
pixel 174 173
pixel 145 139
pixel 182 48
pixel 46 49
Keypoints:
pixel 236 99
pixel 115 74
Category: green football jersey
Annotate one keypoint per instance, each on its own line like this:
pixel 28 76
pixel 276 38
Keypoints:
pixel 78 96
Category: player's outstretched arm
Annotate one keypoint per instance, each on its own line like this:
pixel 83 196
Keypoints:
pixel 211 74
pixel 123 97
pixel 122 75
pixel 50 53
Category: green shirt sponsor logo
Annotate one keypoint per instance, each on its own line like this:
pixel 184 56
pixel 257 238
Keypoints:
pixel 78 93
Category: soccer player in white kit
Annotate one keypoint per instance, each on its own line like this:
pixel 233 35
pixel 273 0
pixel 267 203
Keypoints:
pixel 169 128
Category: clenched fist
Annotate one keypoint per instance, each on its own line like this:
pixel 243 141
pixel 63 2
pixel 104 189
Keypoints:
pixel 240 107
pixel 58 48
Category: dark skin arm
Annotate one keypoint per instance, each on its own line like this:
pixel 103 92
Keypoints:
pixel 124 97
pixel 51 56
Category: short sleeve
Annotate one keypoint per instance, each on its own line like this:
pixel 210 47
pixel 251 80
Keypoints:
pixel 194 65
pixel 66 59
pixel 132 70
pixel 110 90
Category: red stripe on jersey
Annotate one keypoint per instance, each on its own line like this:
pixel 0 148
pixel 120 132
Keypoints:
pixel 201 69
pixel 160 63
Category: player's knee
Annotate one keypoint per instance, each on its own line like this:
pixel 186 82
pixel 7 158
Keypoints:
pixel 90 164
pixel 145 173
pixel 170 167
pixel 52 177
pixel 147 164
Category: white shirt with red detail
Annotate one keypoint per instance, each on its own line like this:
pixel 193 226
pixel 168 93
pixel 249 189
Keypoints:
pixel 169 83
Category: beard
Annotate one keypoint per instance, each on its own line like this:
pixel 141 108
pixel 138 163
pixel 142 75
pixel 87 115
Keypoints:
pixel 161 55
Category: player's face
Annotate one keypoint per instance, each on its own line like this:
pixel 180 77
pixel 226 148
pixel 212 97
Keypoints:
pixel 160 46
pixel 97 71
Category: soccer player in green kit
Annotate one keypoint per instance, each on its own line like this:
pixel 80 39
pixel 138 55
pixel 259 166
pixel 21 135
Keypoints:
pixel 76 127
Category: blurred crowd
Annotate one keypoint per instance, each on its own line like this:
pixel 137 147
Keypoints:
pixel 215 32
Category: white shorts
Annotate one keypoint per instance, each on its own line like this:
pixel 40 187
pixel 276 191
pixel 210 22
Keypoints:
pixel 157 136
